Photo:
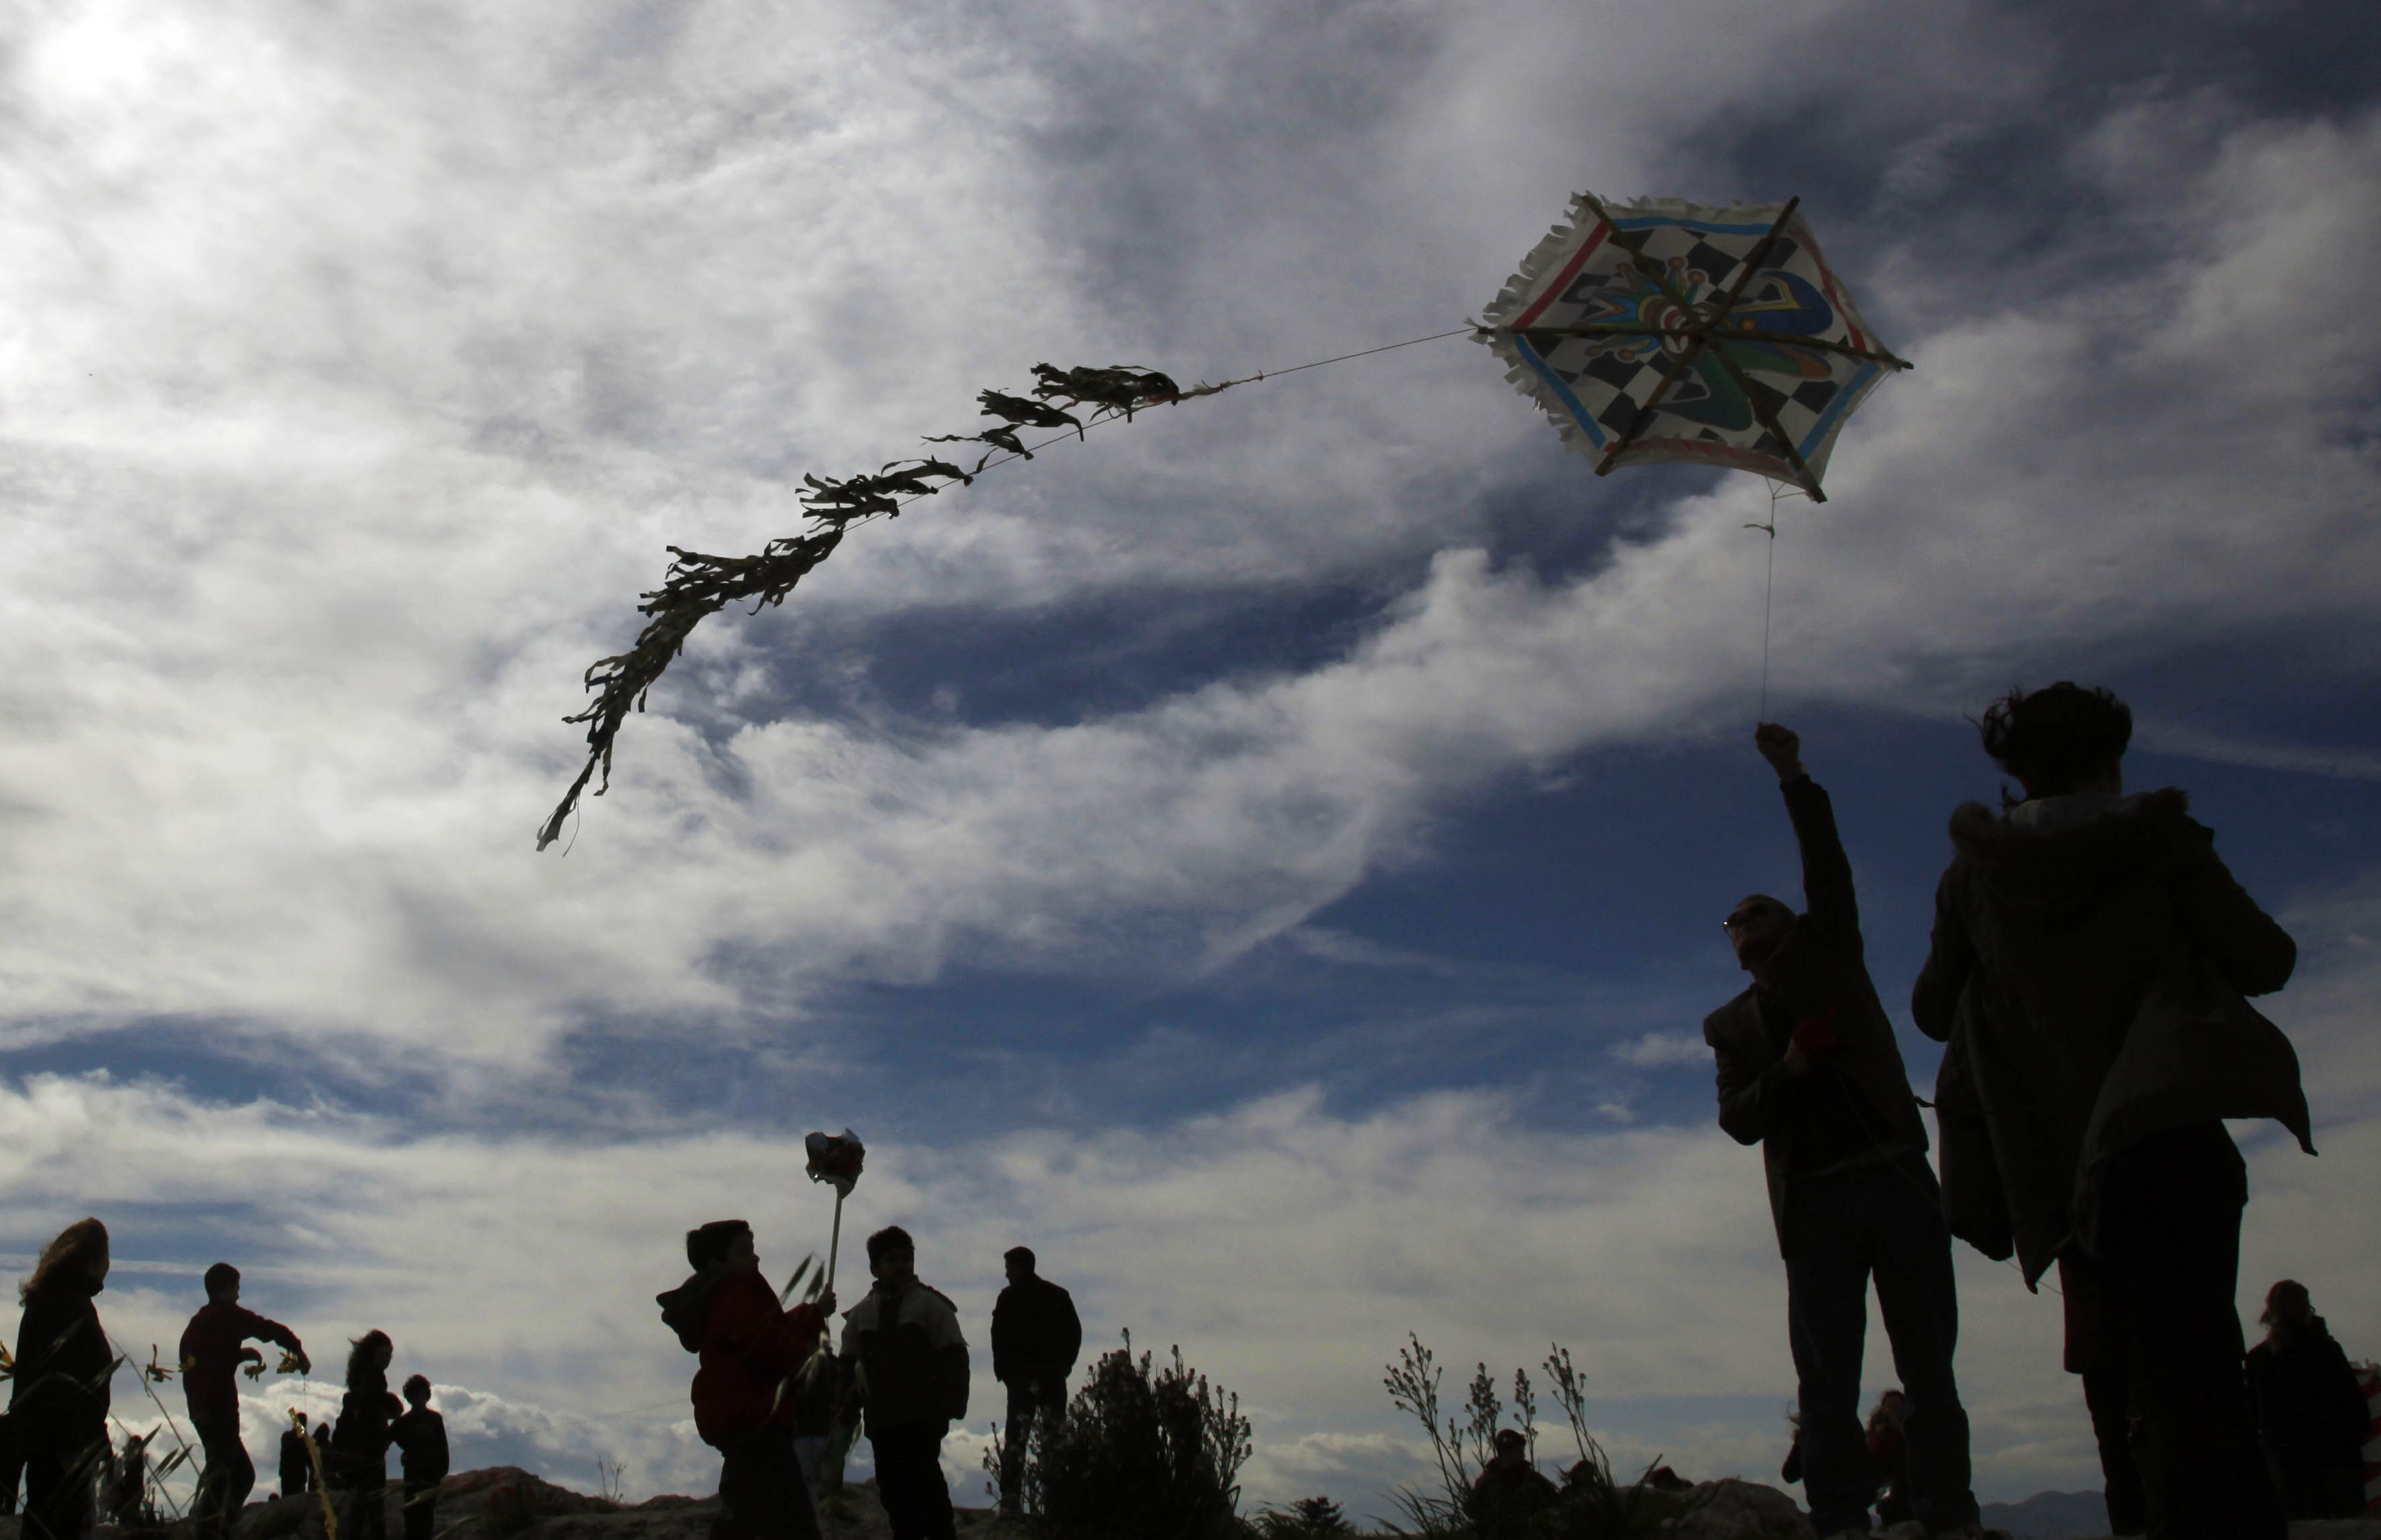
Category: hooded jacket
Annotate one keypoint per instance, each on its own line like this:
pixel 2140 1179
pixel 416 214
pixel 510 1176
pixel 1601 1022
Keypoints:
pixel 749 1346
pixel 2052 926
pixel 1820 969
pixel 904 1340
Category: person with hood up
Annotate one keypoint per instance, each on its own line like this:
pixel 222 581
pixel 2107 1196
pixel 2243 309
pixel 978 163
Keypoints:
pixel 750 1352
pixel 58 1401
pixel 2078 923
pixel 903 1342
pixel 2312 1415
pixel 212 1354
pixel 1808 1069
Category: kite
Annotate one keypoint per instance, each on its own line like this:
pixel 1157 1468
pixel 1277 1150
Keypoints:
pixel 1650 331
pixel 1660 330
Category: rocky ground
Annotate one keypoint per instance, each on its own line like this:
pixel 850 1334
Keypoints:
pixel 504 1503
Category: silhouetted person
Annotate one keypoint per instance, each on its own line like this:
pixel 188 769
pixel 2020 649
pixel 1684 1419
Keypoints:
pixel 2312 1415
pixel 2057 931
pixel 211 1355
pixel 420 1438
pixel 1035 1336
pixel 1810 1070
pixel 125 1500
pixel 297 1469
pixel 12 1466
pixel 59 1398
pixel 1889 1451
pixel 904 1340
pixel 1509 1491
pixel 747 1384
pixel 360 1443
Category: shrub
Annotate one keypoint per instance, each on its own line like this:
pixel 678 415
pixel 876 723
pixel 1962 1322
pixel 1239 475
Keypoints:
pixel 1145 1453
pixel 1306 1519
pixel 1590 1505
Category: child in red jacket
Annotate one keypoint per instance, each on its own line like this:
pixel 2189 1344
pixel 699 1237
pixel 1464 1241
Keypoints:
pixel 743 1392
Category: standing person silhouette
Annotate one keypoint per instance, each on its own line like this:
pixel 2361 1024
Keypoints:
pixel 361 1440
pixel 904 1341
pixel 420 1438
pixel 2311 1417
pixel 1035 1336
pixel 2054 927
pixel 59 1400
pixel 211 1355
pixel 1808 1069
pixel 747 1381
pixel 297 1469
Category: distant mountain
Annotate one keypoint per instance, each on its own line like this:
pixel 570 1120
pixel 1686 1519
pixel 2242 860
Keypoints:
pixel 2051 1516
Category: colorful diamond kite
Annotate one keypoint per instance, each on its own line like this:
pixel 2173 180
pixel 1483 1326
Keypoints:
pixel 1659 330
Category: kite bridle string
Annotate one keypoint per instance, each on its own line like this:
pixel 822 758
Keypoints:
pixel 1768 589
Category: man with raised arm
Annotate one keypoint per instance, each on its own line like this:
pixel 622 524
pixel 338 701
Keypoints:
pixel 1809 1070
pixel 212 1350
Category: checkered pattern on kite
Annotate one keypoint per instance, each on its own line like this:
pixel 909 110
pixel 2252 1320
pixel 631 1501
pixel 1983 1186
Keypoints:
pixel 1651 304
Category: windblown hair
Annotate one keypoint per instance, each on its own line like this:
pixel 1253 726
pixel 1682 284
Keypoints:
pixel 708 1245
pixel 2289 1313
pixel 368 1359
pixel 73 1246
pixel 892 1238
pixel 2057 737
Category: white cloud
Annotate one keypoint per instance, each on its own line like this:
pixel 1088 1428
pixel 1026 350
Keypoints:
pixel 1661 1049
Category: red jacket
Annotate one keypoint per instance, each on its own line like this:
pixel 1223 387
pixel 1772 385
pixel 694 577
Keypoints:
pixel 749 1347
pixel 211 1353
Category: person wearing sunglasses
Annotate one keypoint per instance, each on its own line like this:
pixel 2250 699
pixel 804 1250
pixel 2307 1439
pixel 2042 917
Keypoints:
pixel 1809 1070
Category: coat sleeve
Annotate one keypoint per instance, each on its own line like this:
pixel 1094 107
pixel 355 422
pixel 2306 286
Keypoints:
pixel 950 1359
pixel 2252 953
pixel 253 1324
pixel 1004 1333
pixel 1752 1099
pixel 1950 963
pixel 1068 1343
pixel 1827 870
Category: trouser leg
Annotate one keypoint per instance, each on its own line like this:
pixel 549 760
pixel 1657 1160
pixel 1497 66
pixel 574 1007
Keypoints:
pixel 909 1482
pixel 59 1472
pixel 420 1508
pixel 1015 1440
pixel 1826 1304
pixel 1920 1302
pixel 2169 1252
pixel 2107 1395
pixel 228 1478
pixel 762 1493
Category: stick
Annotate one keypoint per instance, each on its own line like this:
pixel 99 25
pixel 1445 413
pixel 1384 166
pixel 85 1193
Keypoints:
pixel 833 1239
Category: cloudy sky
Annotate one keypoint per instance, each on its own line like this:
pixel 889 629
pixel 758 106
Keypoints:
pixel 1267 857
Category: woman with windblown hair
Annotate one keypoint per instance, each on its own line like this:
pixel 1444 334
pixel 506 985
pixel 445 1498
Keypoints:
pixel 360 1445
pixel 2311 1417
pixel 64 1364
